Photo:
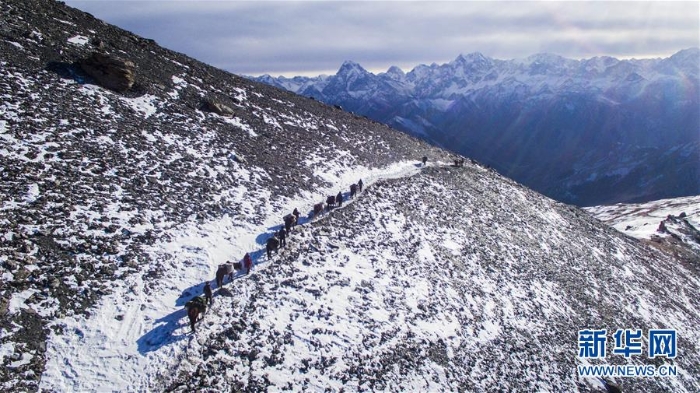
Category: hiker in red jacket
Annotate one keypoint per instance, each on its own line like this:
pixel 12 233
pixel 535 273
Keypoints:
pixel 247 263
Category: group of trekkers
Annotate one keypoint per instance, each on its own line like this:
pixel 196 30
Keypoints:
pixel 197 306
pixel 279 238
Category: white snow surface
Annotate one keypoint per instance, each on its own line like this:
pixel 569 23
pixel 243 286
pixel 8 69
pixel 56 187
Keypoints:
pixel 151 336
pixel 79 40
pixel 340 293
pixel 641 220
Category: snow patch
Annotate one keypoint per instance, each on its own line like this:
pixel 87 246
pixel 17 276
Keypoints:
pixel 6 350
pixel 79 40
pixel 18 301
pixel 147 104
pixel 32 193
pixel 237 122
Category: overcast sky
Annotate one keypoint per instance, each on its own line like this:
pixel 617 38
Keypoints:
pixel 315 37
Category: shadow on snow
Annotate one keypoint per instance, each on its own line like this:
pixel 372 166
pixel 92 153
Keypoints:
pixel 163 333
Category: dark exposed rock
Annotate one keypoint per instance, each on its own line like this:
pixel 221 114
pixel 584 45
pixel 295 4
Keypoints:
pixel 212 105
pixel 110 72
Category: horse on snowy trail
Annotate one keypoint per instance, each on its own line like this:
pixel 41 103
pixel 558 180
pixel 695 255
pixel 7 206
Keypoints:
pixel 272 245
pixel 195 307
pixel 330 202
pixel 318 208
pixel 290 220
pixel 221 272
pixel 353 190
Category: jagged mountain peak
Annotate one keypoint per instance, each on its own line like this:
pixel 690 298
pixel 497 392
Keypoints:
pixel 687 61
pixel 548 63
pixel 692 53
pixel 396 71
pixel 600 63
pixel 474 57
pixel 350 67
pixel 472 63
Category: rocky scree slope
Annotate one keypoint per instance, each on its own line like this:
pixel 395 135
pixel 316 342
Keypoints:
pixel 455 279
pixel 90 177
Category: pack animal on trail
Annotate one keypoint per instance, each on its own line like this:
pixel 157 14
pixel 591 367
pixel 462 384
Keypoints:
pixel 221 273
pixel 318 208
pixel 289 221
pixel 272 245
pixel 459 162
pixel 353 190
pixel 195 307
pixel 330 202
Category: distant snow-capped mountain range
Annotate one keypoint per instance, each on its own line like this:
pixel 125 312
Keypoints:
pixel 116 206
pixel 587 132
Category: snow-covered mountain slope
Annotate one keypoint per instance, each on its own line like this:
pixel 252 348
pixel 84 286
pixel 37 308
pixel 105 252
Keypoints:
pixel 115 208
pixel 589 132
pixel 672 224
pixel 451 280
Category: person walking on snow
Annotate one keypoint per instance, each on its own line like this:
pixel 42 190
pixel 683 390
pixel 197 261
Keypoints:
pixel 283 237
pixel 207 292
pixel 339 199
pixel 247 263
pixel 359 185
pixel 296 214
pixel 288 221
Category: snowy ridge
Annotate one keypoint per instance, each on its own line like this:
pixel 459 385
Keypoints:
pixel 666 222
pixel 468 74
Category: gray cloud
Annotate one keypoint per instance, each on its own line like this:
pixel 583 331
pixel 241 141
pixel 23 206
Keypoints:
pixel 313 37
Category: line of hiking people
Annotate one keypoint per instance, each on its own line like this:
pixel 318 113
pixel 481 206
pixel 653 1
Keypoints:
pixel 197 306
